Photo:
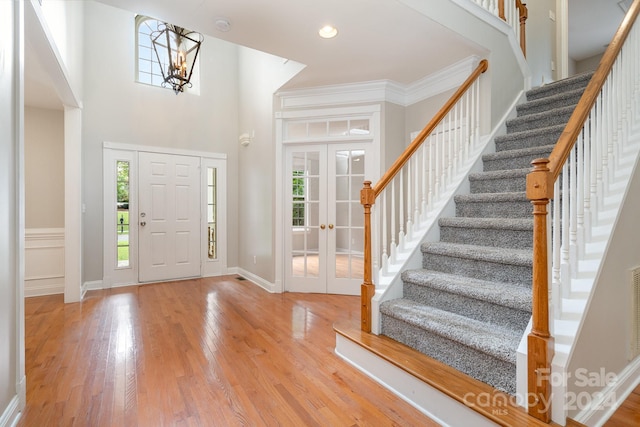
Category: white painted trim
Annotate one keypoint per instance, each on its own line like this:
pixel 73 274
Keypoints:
pixel 162 150
pixel 11 414
pixel 428 400
pixel 113 276
pixel 617 392
pixel 326 113
pixel 49 278
pixel 441 81
pixel 381 90
pixel 93 285
pixel 73 204
pixel 264 284
pixel 218 266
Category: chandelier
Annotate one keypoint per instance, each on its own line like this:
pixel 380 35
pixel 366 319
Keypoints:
pixel 176 49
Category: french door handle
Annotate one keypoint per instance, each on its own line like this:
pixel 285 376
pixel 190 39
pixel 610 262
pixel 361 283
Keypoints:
pixel 322 226
pixel 330 226
pixel 143 223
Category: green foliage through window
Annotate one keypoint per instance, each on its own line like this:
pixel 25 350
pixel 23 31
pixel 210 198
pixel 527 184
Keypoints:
pixel 298 198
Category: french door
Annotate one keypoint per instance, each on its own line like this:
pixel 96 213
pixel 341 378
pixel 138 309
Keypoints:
pixel 324 221
pixel 169 217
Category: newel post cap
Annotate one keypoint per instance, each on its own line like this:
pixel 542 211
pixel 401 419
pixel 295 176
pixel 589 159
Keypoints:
pixel 539 181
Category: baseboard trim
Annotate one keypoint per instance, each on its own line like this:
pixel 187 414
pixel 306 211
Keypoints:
pixel 596 414
pixel 264 284
pixel 93 285
pixel 11 414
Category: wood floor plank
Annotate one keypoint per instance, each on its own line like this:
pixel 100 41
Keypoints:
pixel 206 352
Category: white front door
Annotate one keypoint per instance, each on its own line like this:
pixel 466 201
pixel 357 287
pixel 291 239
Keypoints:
pixel 168 217
pixel 324 218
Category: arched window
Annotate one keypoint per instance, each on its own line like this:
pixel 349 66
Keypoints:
pixel 147 67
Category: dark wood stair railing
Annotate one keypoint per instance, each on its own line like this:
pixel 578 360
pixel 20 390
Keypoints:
pixel 540 189
pixel 368 194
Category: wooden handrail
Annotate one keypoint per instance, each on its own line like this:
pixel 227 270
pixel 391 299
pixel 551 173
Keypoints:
pixel 428 129
pixel 368 193
pixel 540 183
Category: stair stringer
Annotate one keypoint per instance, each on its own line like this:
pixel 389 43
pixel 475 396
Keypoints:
pixel 389 285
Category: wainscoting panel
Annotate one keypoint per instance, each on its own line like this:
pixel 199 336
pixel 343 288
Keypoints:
pixel 44 261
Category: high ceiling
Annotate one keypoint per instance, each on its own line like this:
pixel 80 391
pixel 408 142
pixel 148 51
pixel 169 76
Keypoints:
pixel 374 36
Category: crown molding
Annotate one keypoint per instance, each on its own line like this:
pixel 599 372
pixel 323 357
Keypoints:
pixel 381 90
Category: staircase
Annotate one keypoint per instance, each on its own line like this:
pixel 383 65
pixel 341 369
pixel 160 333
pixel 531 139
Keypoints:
pixel 470 304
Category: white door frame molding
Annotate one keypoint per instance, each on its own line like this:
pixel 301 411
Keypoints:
pixel 112 152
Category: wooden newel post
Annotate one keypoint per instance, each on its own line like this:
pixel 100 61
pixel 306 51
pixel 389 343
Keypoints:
pixel 540 342
pixel 367 290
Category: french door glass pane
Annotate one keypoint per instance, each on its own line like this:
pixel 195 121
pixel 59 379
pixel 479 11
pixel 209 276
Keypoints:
pixel 305 203
pixel 348 215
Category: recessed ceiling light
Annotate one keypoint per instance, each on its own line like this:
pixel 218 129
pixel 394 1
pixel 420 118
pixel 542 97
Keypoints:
pixel 328 32
pixel 223 25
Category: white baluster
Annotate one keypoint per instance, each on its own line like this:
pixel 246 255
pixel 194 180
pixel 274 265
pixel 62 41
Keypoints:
pixel 416 190
pixel 401 233
pixel 385 256
pixel 392 248
pixel 409 204
pixel 555 245
pixel 424 172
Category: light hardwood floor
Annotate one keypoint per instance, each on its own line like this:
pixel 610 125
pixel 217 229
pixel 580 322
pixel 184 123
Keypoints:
pixel 205 352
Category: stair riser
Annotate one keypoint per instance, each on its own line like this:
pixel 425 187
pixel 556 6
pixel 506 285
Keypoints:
pixel 481 366
pixel 516 239
pixel 513 162
pixel 533 108
pixel 482 310
pixel 516 142
pixel 527 122
pixel 478 269
pixel 502 185
pixel 521 209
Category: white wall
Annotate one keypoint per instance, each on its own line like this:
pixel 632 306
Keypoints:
pixel 44 167
pixel 260 75
pixel 65 21
pixel 117 109
pixel 541 41
pixel 508 73
pixel 11 213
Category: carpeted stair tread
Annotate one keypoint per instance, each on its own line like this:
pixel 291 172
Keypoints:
pixel 500 343
pixel 501 205
pixel 520 257
pixel 517 158
pixel 504 294
pixel 500 232
pixel 501 174
pixel 516 196
pixel 557 116
pixel 525 224
pixel 506 180
pixel 529 138
pixel 568 84
pixel 562 99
